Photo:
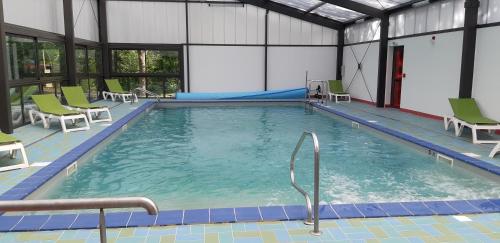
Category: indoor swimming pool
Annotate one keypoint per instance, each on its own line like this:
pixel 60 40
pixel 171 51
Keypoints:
pixel 189 157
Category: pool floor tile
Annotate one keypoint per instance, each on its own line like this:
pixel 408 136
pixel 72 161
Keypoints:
pixel 196 216
pixel 222 215
pixel 31 223
pixel 141 219
pixel 370 210
pixel 8 222
pixel 347 211
pixel 169 217
pixel 485 205
pixel 248 214
pixel 86 221
pixel 273 213
pixel 296 212
pixel 417 208
pixel 59 222
pixel 394 209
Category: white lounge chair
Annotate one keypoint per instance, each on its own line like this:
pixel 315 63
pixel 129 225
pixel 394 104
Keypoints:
pixel 11 144
pixel 75 97
pixel 49 108
pixel 467 114
pixel 116 91
pixel 337 90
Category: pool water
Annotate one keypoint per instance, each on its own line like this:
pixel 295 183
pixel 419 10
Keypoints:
pixel 206 157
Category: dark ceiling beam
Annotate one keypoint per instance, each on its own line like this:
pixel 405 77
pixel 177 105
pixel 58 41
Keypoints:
pixel 315 7
pixel 358 7
pixel 296 13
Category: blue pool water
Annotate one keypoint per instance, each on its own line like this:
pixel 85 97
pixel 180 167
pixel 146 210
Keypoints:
pixel 206 157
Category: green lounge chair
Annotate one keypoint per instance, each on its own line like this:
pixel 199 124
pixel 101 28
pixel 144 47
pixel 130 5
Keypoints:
pixel 466 113
pixel 11 144
pixel 49 108
pixel 337 90
pixel 77 100
pixel 116 90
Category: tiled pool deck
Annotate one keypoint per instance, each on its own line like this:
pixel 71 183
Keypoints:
pixel 481 228
pixel 38 140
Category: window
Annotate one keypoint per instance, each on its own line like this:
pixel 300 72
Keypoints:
pixel 21 57
pixel 21 103
pixel 51 59
pixel 157 70
pixel 88 69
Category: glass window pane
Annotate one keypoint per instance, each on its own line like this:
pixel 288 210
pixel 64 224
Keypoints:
pixel 155 85
pixel 81 60
pixel 15 104
pixel 21 57
pixel 28 104
pixel 51 58
pixel 125 61
pixel 162 62
pixel 303 5
pixel 93 89
pixel 171 86
pixel 52 88
pixel 94 60
pixel 337 13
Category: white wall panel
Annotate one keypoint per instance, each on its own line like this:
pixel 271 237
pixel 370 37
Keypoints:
pixel 226 68
pixel 493 11
pixel 482 17
pixel 432 72
pixel 273 28
pixel 241 25
pixel 446 15
pixel 288 65
pixel 420 20
pixel 433 17
pixel 458 14
pixel 410 22
pixel 284 30
pixel 85 15
pixel 146 22
pixel 229 25
pixel 486 72
pixel 296 31
pixel 352 79
pixel 218 24
pixel 317 35
pixel 306 33
pixel 44 15
pixel 400 24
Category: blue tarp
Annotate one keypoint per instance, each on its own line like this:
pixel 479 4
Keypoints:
pixel 261 95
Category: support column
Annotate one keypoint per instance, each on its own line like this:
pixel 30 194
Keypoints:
pixel 69 32
pixel 5 109
pixel 187 46
pixel 468 48
pixel 382 60
pixel 266 29
pixel 103 38
pixel 340 53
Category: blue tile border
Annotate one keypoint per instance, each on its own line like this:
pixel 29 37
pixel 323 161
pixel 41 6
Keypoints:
pixel 245 214
pixel 225 215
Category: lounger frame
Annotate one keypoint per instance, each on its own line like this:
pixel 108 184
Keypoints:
pixel 334 95
pixel 90 112
pixel 46 119
pixel 460 124
pixel 13 148
pixel 125 97
pixel 495 150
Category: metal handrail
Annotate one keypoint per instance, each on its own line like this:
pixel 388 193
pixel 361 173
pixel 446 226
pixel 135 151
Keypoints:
pixel 157 96
pixel 78 204
pixel 309 220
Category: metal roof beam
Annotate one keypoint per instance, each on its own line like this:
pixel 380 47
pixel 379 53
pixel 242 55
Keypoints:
pixel 358 7
pixel 315 7
pixel 296 13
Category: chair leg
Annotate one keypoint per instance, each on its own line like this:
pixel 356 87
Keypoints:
pixel 63 124
pixel 89 115
pixel 25 158
pixel 474 136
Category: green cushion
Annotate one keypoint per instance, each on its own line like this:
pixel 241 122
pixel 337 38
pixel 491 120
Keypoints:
pixel 7 139
pixel 76 98
pixel 467 110
pixel 336 87
pixel 48 103
pixel 114 86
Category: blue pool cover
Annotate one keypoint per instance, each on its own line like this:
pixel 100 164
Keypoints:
pixel 261 95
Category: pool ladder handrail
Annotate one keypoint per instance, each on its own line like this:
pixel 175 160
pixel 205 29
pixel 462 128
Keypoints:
pixel 143 90
pixel 83 203
pixel 309 220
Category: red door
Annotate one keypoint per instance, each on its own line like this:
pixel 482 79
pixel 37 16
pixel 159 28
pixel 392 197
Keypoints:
pixel 397 76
